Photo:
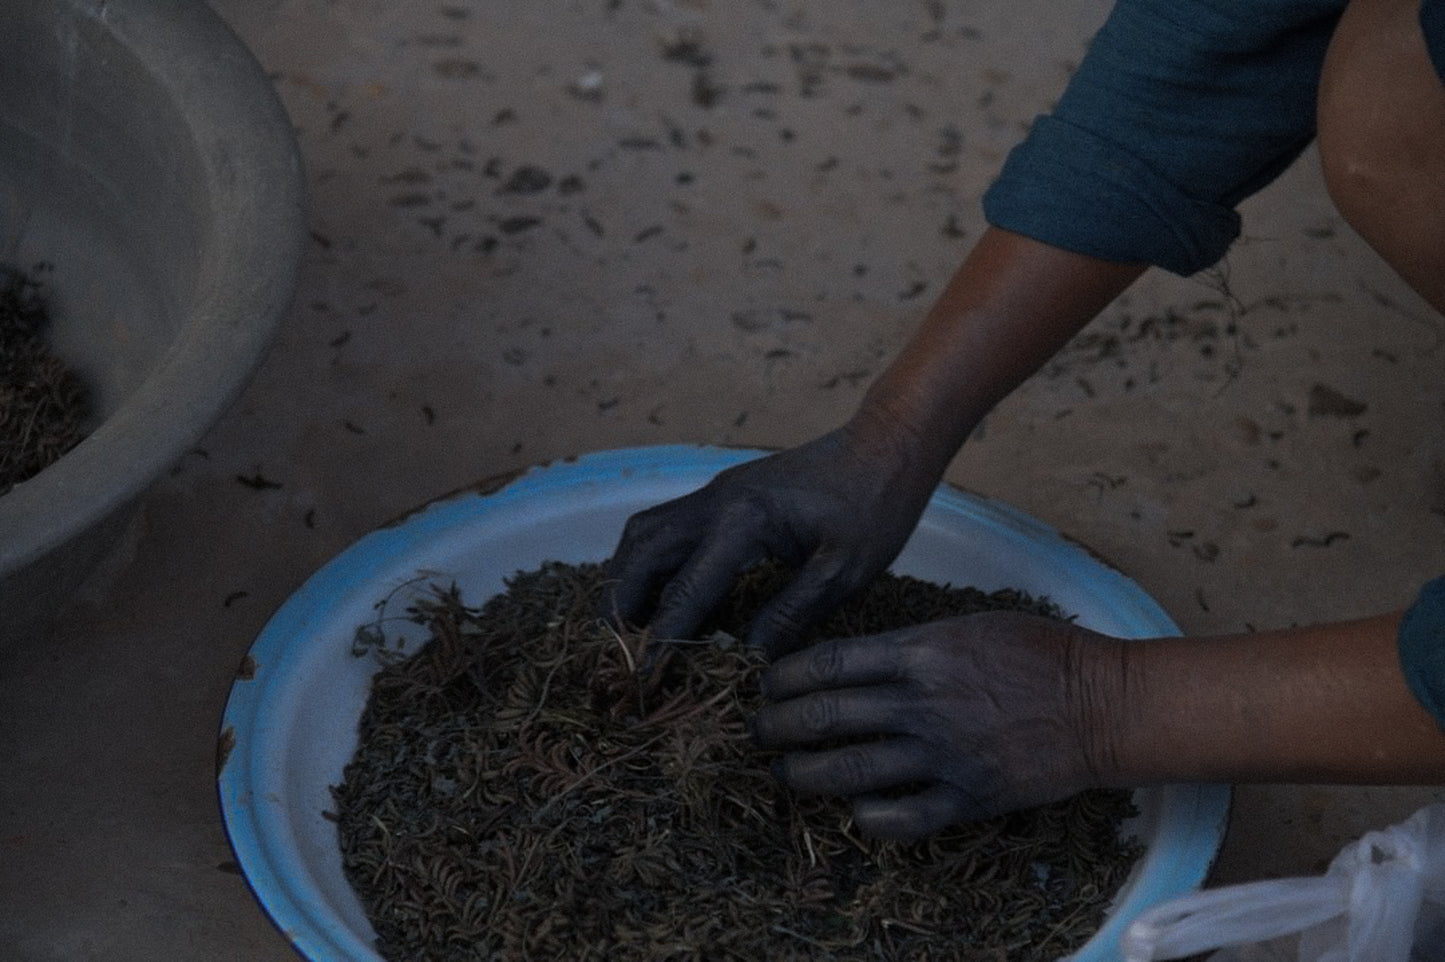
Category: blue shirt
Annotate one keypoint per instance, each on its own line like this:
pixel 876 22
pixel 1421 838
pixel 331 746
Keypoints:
pixel 1180 110
pixel 1422 648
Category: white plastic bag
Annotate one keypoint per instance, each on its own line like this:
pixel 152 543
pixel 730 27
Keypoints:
pixel 1382 900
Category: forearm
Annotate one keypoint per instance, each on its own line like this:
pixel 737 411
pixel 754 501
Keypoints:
pixel 1327 704
pixel 1010 307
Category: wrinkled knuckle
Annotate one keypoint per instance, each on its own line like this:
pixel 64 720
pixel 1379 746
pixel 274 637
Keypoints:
pixel 915 658
pixel 920 664
pixel 742 510
pixel 856 771
pixel 825 663
pixel 835 572
pixel 680 592
pixel 820 714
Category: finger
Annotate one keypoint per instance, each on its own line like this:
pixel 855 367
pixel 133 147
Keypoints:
pixel 654 544
pixel 908 818
pixel 841 713
pixel 855 769
pixel 839 663
pixel 815 591
pixel 704 581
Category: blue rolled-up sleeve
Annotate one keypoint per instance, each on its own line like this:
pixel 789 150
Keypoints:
pixel 1422 648
pixel 1432 25
pixel 1180 110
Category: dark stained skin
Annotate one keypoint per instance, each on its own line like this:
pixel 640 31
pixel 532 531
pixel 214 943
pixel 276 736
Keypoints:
pixel 996 712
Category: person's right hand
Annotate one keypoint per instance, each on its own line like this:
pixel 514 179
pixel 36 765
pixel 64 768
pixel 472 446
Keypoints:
pixel 837 509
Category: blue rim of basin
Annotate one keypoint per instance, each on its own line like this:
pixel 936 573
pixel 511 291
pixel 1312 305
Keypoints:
pixel 252 792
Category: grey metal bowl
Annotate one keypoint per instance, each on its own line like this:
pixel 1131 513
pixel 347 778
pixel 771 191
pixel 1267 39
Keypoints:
pixel 145 157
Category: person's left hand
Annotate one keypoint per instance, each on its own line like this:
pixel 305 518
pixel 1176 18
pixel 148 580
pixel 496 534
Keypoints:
pixel 958 719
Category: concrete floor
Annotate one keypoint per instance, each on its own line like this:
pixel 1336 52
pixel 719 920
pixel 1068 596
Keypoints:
pixel 546 228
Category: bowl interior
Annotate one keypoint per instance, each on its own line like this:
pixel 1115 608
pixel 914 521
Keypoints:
pixel 147 163
pixel 290 725
pixel 100 181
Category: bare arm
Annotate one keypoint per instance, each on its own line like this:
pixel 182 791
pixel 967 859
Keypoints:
pixel 1322 704
pixel 1327 703
pixel 1010 307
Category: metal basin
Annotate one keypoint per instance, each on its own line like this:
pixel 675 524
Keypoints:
pixel 146 159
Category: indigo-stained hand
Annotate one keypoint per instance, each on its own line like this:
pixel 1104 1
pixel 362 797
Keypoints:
pixel 945 722
pixel 837 509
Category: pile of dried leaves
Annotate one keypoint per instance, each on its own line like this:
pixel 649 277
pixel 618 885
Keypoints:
pixel 42 403
pixel 533 785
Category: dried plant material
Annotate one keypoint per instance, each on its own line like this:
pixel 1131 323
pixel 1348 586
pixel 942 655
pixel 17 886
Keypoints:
pixel 42 403
pixel 533 784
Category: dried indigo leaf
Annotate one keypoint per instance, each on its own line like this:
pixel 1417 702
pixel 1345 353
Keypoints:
pixel 534 784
